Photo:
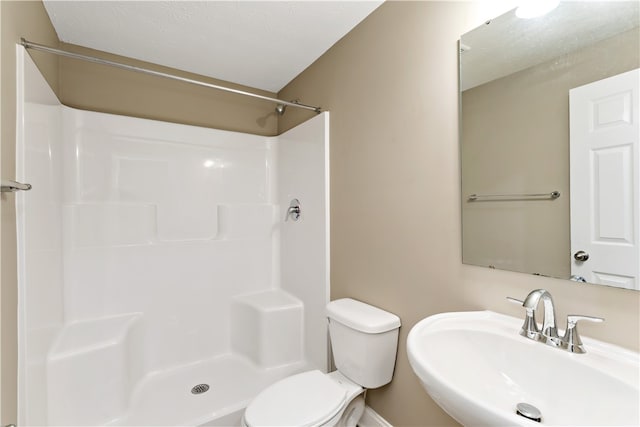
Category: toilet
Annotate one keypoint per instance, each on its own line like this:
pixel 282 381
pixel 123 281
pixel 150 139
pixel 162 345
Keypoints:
pixel 364 340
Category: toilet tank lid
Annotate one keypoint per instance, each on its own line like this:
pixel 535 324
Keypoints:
pixel 362 317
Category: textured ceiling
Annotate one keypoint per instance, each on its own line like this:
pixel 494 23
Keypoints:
pixel 262 44
pixel 508 44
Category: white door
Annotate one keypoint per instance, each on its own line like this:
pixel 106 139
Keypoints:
pixel 605 198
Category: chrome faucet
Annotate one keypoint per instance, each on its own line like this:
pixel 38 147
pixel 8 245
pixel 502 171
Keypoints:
pixel 569 341
pixel 549 333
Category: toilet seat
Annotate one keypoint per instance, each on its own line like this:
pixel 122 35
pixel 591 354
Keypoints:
pixel 307 399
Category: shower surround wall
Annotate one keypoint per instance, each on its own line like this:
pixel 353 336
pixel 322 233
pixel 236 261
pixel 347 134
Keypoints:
pixel 155 257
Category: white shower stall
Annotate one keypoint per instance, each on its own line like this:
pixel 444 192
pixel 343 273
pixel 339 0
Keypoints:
pixel 159 283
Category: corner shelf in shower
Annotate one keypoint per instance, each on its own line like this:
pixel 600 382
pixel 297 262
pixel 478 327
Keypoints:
pixel 88 367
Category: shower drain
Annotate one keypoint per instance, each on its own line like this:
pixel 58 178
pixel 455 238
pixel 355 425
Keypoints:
pixel 200 388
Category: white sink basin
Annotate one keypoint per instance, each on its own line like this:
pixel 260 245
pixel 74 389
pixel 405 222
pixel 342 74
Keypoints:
pixel 477 367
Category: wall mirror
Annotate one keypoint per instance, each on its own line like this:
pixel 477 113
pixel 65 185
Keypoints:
pixel 550 148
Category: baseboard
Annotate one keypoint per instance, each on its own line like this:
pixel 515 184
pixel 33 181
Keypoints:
pixel 371 418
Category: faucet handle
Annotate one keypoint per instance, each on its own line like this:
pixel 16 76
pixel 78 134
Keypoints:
pixel 571 339
pixel 529 327
pixel 515 300
pixel 572 319
pixel 293 210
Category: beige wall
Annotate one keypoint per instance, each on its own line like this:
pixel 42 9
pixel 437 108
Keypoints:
pixel 391 87
pixel 29 20
pixel 106 89
pixel 515 134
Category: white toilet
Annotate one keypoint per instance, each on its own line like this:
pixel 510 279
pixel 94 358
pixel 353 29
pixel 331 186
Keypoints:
pixel 364 340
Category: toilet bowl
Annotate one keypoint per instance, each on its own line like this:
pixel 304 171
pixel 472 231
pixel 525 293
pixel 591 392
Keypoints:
pixel 364 341
pixel 308 399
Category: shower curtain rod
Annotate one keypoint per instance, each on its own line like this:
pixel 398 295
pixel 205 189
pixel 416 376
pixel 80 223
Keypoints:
pixel 36 46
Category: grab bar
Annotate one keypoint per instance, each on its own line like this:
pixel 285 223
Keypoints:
pixel 490 197
pixel 9 186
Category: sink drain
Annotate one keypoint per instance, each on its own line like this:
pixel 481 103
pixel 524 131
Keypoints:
pixel 200 388
pixel 528 411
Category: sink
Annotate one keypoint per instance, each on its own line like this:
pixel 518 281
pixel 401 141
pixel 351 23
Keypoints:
pixel 477 367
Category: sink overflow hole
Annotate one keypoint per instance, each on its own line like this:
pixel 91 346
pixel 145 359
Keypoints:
pixel 529 411
pixel 200 388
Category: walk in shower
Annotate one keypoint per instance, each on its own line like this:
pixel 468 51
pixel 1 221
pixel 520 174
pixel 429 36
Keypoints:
pixel 159 283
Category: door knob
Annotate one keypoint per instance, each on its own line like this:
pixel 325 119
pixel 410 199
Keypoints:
pixel 581 256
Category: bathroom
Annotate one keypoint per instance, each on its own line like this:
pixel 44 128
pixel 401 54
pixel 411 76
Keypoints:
pixel 391 87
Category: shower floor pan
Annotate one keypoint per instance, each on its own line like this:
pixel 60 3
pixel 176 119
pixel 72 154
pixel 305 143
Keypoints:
pixel 92 367
pixel 166 399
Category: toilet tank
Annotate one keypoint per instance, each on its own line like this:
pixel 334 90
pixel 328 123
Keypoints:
pixel 364 340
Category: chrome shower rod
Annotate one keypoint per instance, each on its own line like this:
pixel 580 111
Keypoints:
pixel 10 186
pixel 36 46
